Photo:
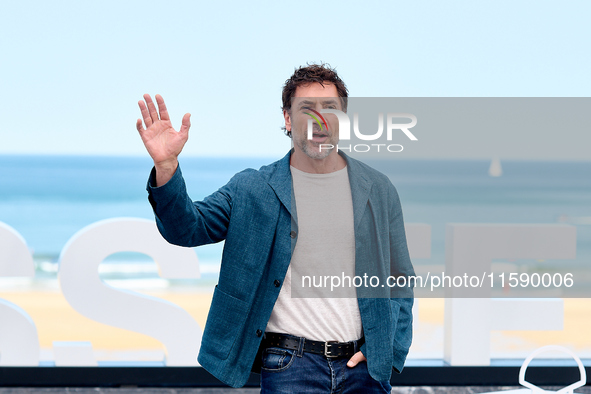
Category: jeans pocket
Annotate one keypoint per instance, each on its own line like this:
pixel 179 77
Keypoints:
pixel 277 359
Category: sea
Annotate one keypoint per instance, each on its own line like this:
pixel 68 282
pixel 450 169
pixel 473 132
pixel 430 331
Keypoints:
pixel 48 199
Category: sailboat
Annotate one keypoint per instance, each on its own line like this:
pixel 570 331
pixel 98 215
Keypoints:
pixel 495 167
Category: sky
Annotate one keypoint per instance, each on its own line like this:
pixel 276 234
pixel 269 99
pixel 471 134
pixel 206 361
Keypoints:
pixel 72 72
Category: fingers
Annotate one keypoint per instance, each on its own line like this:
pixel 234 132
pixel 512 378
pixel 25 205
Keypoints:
pixel 162 108
pixel 186 124
pixel 145 113
pixel 139 126
pixel 356 359
pixel 151 108
pixel 150 115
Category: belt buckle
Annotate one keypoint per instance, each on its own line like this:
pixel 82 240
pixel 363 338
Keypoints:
pixel 326 353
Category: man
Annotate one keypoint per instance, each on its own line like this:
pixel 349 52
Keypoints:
pixel 277 222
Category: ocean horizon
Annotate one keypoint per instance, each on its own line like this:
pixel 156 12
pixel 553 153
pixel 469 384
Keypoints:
pixel 47 198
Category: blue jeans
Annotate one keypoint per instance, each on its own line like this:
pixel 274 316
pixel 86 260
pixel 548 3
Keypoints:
pixel 294 371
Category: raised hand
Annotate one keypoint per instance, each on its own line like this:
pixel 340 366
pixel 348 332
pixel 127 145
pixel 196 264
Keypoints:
pixel 162 141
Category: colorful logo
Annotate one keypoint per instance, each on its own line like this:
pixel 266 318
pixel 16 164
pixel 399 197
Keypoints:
pixel 316 119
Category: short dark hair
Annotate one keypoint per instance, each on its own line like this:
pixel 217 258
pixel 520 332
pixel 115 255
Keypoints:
pixel 320 73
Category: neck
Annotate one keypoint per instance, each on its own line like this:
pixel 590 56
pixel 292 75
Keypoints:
pixel 331 163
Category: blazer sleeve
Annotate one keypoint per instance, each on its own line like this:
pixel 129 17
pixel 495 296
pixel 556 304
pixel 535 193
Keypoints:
pixel 184 222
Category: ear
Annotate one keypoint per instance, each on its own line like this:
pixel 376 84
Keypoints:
pixel 287 118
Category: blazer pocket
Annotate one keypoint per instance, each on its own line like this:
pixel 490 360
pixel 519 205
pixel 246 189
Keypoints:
pixel 225 321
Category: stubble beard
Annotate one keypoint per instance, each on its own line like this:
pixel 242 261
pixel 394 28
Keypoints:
pixel 312 149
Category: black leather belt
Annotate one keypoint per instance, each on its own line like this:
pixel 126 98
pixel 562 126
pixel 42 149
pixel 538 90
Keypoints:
pixel 331 349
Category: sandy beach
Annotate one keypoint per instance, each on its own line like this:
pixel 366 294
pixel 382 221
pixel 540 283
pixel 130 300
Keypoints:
pixel 57 321
pixel 510 344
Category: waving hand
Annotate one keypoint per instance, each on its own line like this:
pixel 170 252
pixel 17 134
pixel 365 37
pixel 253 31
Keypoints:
pixel 162 141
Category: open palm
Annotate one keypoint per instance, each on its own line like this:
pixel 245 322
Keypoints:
pixel 162 141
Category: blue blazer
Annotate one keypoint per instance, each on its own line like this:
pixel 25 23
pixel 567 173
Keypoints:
pixel 253 214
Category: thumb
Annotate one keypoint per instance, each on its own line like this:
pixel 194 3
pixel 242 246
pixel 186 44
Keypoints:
pixel 356 359
pixel 186 124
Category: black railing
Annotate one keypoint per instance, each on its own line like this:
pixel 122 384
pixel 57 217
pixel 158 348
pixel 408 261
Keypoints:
pixel 198 377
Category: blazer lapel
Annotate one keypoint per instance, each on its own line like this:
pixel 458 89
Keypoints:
pixel 280 182
pixel 360 188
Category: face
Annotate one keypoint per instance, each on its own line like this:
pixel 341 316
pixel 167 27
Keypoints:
pixel 307 99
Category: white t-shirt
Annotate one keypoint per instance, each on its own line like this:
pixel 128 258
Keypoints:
pixel 325 247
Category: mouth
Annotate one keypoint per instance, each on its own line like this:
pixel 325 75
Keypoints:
pixel 319 136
